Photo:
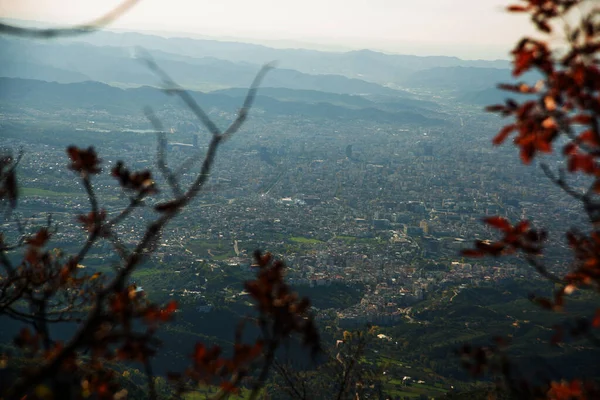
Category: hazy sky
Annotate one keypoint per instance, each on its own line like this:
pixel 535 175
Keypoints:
pixel 466 28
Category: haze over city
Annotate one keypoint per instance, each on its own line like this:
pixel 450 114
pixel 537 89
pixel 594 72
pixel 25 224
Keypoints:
pixel 471 29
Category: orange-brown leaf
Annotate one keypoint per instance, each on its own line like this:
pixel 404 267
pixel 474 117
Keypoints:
pixel 498 223
pixel 517 8
pixel 503 134
pixel 596 320
pixel 40 238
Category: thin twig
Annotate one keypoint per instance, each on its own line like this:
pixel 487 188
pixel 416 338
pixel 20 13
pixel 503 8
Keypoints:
pixel 95 233
pixel 264 373
pixel 72 31
pixel 542 270
pixel 150 377
pixel 283 372
pixel 561 182
pixel 161 152
pixel 248 101
pixel 172 88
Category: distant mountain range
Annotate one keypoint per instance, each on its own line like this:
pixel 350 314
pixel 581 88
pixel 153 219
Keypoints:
pixel 471 85
pixel 459 78
pixel 363 64
pixel 206 65
pixel 75 62
pixel 390 103
pixel 48 96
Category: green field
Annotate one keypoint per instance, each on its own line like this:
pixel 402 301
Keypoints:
pixel 305 240
pixel 213 249
pixel 30 192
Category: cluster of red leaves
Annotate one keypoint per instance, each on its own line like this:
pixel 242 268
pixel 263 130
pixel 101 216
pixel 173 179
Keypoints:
pixel 279 304
pixel 43 274
pixel 573 390
pixel 517 237
pixel 102 384
pixel 136 181
pixel 114 339
pixel 585 273
pixel 566 103
pixel 92 220
pixel 86 162
pixel 36 266
pixel 568 94
pixel 494 360
pixel 586 268
pixel 543 10
pixel 210 368
pixel 281 314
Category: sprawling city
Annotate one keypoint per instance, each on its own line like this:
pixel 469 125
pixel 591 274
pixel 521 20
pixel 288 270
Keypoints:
pixel 367 173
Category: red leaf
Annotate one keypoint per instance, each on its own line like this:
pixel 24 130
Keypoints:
pixel 503 134
pixel 171 306
pixel 570 148
pixel 572 239
pixel 596 320
pixel 498 223
pixel 515 8
pixel 543 26
pixel 495 108
pixel 527 153
pixel 85 161
pixel 583 162
pixel 522 227
pixel 582 119
pixel 40 238
pixel 596 186
pixel 544 303
pixel 589 137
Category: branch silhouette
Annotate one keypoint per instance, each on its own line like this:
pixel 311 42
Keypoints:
pixel 89 27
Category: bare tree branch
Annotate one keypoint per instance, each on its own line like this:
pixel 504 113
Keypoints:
pixel 172 88
pixel 542 270
pixel 161 152
pixel 71 31
pixel 248 101
pixel 561 182
pixel 168 210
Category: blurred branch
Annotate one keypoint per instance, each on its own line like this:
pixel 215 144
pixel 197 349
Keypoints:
pixel 172 88
pixel 542 270
pixel 99 312
pixel 161 152
pixel 561 182
pixel 91 26
pixel 291 388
